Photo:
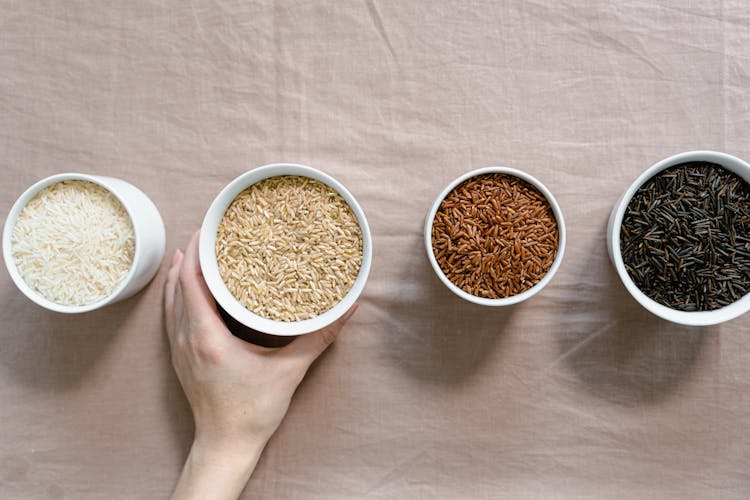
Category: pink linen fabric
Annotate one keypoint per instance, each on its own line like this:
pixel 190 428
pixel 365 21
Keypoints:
pixel 576 393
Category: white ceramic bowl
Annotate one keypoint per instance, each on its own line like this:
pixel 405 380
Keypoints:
pixel 697 318
pixel 514 299
pixel 210 267
pixel 149 239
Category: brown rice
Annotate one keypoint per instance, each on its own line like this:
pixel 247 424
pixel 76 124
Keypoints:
pixel 289 248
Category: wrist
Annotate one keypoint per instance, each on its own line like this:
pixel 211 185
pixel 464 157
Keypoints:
pixel 217 469
pixel 236 455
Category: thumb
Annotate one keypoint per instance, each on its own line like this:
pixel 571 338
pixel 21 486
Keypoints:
pixel 310 346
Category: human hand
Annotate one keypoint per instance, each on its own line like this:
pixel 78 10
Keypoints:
pixel 238 392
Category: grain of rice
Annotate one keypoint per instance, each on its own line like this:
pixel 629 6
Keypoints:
pixel 289 248
pixel 494 236
pixel 73 243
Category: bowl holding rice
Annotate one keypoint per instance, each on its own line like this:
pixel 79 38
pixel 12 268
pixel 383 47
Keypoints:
pixel 76 242
pixel 678 238
pixel 285 249
pixel 495 236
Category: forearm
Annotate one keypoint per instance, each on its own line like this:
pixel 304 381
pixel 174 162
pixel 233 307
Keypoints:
pixel 217 472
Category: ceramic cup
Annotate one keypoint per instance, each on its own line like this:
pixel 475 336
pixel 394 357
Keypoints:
pixel 697 318
pixel 513 299
pixel 210 267
pixel 149 239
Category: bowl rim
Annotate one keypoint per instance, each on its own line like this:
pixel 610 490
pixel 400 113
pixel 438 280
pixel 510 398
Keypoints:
pixel 556 210
pixel 687 318
pixel 210 268
pixel 10 262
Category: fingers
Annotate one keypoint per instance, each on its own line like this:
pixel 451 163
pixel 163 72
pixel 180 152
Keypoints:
pixel 197 297
pixel 309 347
pixel 169 293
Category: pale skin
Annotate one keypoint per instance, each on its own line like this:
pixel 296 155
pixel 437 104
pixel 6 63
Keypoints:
pixel 238 392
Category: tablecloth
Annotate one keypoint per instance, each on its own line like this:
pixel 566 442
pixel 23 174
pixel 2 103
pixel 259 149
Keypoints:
pixel 575 393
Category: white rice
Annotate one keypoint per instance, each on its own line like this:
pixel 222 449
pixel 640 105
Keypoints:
pixel 73 243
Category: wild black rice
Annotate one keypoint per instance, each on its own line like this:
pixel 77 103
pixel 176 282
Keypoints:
pixel 684 237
